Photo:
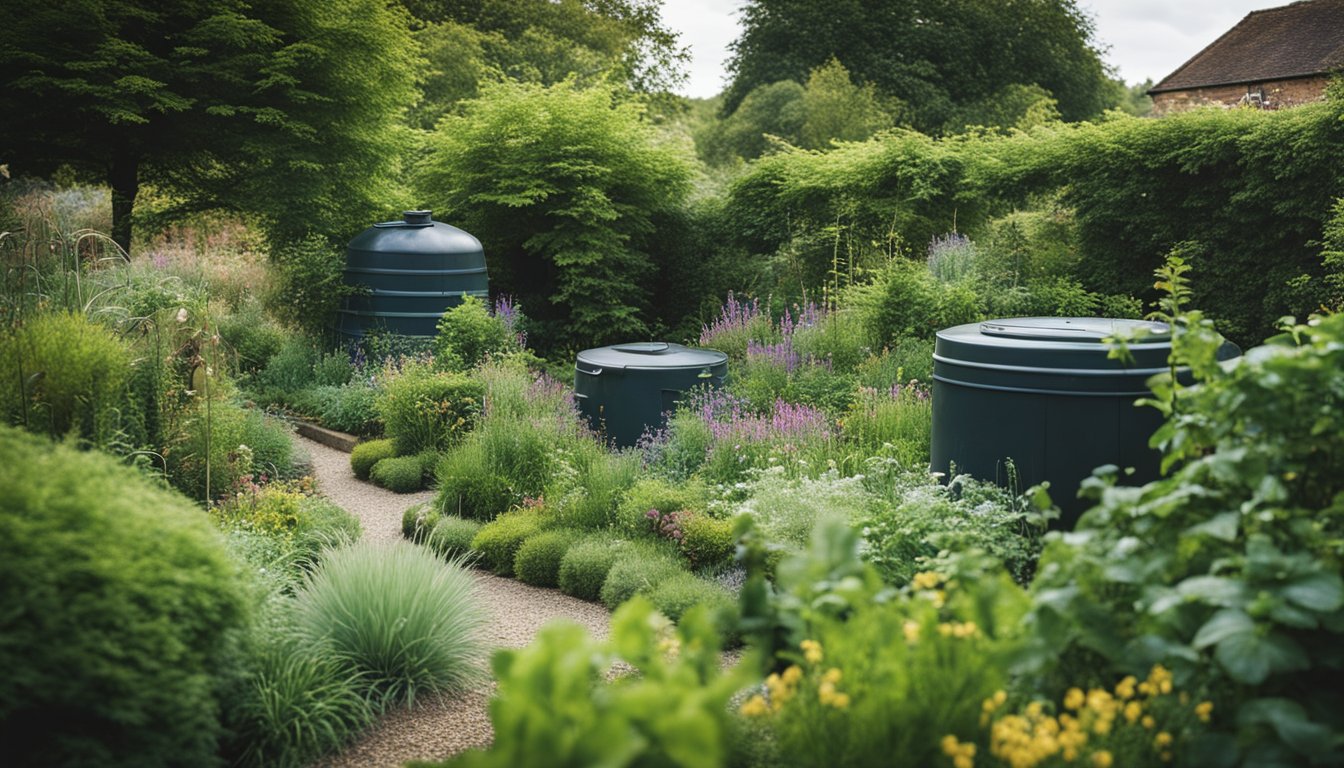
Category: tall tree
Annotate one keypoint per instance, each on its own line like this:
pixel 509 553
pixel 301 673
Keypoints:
pixel 932 55
pixel 261 106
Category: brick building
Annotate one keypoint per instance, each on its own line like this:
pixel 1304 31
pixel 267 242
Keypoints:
pixel 1274 58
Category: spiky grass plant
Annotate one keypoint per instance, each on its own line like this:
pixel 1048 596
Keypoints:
pixel 397 614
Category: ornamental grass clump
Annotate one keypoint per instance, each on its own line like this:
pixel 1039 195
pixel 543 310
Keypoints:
pixel 395 613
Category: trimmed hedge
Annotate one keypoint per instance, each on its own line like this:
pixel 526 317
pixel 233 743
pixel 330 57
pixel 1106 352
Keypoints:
pixel 639 569
pixel 538 559
pixel 498 541
pixel 584 567
pixel 452 536
pixel 367 454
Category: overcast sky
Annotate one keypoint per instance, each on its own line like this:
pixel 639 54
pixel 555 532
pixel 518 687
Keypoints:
pixel 1143 38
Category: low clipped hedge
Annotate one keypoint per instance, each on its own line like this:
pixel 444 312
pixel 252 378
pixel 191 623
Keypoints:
pixel 679 593
pixel 498 541
pixel 366 455
pixel 120 603
pixel 707 541
pixel 639 569
pixel 584 567
pixel 452 536
pixel 399 474
pixel 538 559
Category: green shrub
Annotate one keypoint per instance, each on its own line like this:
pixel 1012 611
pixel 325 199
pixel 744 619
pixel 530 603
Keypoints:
pixel 505 462
pixel 399 474
pixel 468 333
pixel 656 493
pixel 395 613
pixel 538 559
pixel 451 536
pixel 253 337
pixel 787 509
pixel 895 422
pixel 706 541
pixel 640 568
pixel 368 453
pixel 584 567
pixel 120 608
pixel 311 282
pixel 289 371
pixel 242 443
pixel 498 541
pixel 353 408
pixel 587 497
pixel 677 594
pixel 906 359
pixel 298 702
pixel 419 520
pixel 63 373
pixel 423 409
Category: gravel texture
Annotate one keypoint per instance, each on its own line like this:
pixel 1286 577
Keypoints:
pixel 439 727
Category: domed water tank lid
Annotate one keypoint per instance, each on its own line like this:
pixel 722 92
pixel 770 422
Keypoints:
pixel 653 355
pixel 1078 329
pixel 416 233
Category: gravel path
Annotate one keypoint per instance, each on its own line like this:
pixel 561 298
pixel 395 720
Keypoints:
pixel 444 726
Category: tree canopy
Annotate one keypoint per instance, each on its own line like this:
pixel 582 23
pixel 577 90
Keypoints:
pixel 283 108
pixel 934 56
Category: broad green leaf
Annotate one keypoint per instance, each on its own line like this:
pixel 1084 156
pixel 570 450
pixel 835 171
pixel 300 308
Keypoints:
pixel 1222 625
pixel 1215 590
pixel 1289 720
pixel 1222 527
pixel 1251 657
pixel 1323 592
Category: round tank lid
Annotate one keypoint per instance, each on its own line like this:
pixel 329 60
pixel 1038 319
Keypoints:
pixel 1077 329
pixel 651 354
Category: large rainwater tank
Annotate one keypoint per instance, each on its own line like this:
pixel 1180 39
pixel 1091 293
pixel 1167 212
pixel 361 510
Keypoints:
pixel 626 389
pixel 408 273
pixel 1044 392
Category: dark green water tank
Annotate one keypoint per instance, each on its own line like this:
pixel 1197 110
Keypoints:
pixel 1042 391
pixel 626 389
pixel 409 273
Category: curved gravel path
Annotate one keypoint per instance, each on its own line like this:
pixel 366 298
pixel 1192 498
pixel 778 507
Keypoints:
pixel 439 727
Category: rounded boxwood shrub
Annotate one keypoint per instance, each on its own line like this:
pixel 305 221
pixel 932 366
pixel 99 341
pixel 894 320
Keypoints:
pixel 706 541
pixel 538 559
pixel 397 614
pixel 585 564
pixel 639 569
pixel 119 606
pixel 399 474
pixel 452 536
pixel 498 541
pixel 676 594
pixel 366 454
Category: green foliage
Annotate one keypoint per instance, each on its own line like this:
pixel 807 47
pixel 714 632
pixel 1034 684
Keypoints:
pixel 253 337
pixel 499 540
pixel 708 542
pixel 567 189
pixel 451 536
pixel 1226 570
pixel 121 608
pixel 297 703
pixel 230 443
pixel 787 509
pixel 538 559
pixel 468 333
pixel 554 707
pixel 639 569
pixel 424 409
pixel 62 373
pixel 396 614
pixel 935 57
pixel 400 474
pixel 911 303
pixel 894 422
pixel 917 518
pixel 773 109
pixel 500 465
pixel 656 493
pixel 419 520
pixel 676 595
pixel 255 109
pixel 368 453
pixel 590 483
pixel 835 109
pixel 868 671
pixel 351 407
pixel 584 567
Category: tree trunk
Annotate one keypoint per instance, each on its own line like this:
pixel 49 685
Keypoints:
pixel 123 175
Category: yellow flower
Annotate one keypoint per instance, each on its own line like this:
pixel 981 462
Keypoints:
pixel 1073 699
pixel 1102 759
pixel 792 675
pixel 812 651
pixel 1132 711
pixel 754 707
pixel 1204 711
pixel 926 580
pixel 1125 688
pixel 832 676
pixel 911 630
pixel 1000 696
pixel 1148 722
pixel 1162 740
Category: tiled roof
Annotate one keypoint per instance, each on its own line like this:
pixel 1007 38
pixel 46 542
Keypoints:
pixel 1305 38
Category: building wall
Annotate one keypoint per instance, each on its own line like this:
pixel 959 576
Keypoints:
pixel 1272 94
